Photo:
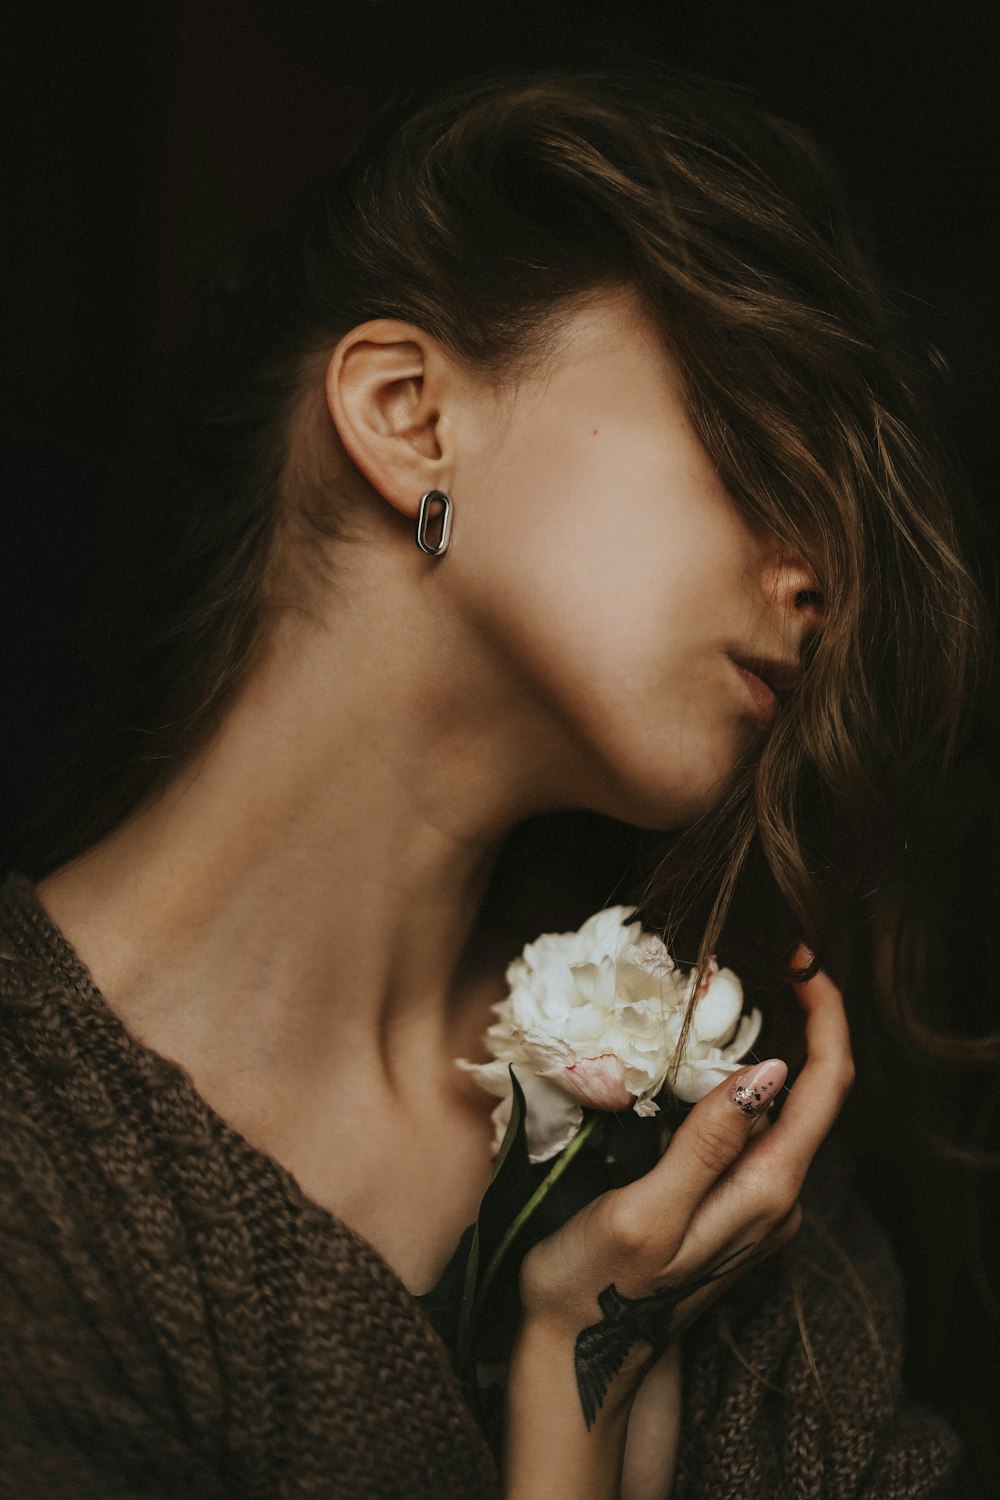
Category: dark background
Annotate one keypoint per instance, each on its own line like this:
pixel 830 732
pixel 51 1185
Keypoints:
pixel 142 140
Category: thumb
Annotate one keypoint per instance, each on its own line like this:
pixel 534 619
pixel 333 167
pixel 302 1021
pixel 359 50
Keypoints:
pixel 709 1140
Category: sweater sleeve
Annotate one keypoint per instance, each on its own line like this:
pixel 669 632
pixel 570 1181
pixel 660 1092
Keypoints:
pixel 86 1407
pixel 795 1386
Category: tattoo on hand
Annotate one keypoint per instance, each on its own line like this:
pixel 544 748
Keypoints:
pixel 601 1347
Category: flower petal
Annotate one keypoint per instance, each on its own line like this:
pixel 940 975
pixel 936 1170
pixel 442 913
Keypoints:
pixel 596 982
pixel 746 1034
pixel 596 1081
pixel 603 934
pixel 718 1008
pixel 491 1076
pixel 699 1076
pixel 542 1052
pixel 553 1116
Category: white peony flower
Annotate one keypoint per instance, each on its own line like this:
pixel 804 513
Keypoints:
pixel 594 1017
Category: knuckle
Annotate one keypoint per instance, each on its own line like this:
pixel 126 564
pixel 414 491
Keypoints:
pixel 774 1208
pixel 533 1285
pixel 775 1198
pixel 846 1076
pixel 528 1274
pixel 787 1228
pixel 625 1226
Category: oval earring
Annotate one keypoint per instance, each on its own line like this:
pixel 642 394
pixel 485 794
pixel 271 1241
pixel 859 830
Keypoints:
pixel 434 549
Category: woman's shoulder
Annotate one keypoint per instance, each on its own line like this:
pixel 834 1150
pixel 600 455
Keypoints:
pixel 46 1078
pixel 52 1103
pixel 160 1278
pixel 795 1382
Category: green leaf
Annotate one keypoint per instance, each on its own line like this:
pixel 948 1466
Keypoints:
pixel 555 1171
pixel 441 1303
pixel 527 1201
pixel 634 1141
pixel 499 1204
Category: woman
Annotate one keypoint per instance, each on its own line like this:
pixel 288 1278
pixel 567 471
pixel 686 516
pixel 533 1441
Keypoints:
pixel 555 454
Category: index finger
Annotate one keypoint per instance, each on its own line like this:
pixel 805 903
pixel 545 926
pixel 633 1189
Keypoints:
pixel 819 1091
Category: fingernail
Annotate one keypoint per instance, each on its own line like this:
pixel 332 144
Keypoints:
pixel 754 1090
pixel 802 957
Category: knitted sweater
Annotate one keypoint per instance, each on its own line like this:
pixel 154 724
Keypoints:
pixel 178 1319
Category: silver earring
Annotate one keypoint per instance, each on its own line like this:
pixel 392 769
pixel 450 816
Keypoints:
pixel 434 550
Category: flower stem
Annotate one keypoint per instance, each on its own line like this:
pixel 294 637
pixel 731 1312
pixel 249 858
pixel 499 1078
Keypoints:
pixel 561 1163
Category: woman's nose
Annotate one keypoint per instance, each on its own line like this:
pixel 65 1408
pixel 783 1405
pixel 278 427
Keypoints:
pixel 794 589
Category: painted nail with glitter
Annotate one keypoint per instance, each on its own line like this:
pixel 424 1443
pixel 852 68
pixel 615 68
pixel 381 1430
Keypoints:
pixel 755 1089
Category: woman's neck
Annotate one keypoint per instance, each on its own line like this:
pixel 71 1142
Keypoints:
pixel 307 893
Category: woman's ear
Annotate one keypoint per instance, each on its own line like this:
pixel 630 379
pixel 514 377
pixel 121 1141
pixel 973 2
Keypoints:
pixel 384 387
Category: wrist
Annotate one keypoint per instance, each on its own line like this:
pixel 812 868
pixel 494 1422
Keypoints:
pixel 549 1451
pixel 547 1350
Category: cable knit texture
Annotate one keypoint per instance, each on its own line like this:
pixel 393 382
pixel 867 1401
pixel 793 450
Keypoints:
pixel 178 1319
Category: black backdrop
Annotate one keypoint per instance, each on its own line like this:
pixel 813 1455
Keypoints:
pixel 143 139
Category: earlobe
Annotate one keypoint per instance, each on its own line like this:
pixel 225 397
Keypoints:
pixel 379 399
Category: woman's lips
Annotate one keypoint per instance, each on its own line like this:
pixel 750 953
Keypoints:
pixel 764 699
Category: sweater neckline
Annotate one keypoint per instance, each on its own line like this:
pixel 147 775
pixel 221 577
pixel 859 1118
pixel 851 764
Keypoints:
pixel 50 945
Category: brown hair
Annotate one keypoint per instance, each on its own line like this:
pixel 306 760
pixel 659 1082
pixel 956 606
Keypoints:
pixel 480 214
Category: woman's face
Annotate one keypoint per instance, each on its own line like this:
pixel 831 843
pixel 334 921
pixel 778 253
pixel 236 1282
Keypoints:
pixel 602 554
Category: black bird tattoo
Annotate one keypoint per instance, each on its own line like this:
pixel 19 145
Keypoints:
pixel 601 1347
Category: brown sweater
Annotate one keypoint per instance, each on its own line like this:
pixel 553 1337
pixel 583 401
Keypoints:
pixel 178 1319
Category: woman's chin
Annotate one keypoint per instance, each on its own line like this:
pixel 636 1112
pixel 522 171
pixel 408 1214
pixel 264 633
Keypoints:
pixel 666 808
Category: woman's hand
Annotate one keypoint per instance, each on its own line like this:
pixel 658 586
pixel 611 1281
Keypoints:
pixel 720 1194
